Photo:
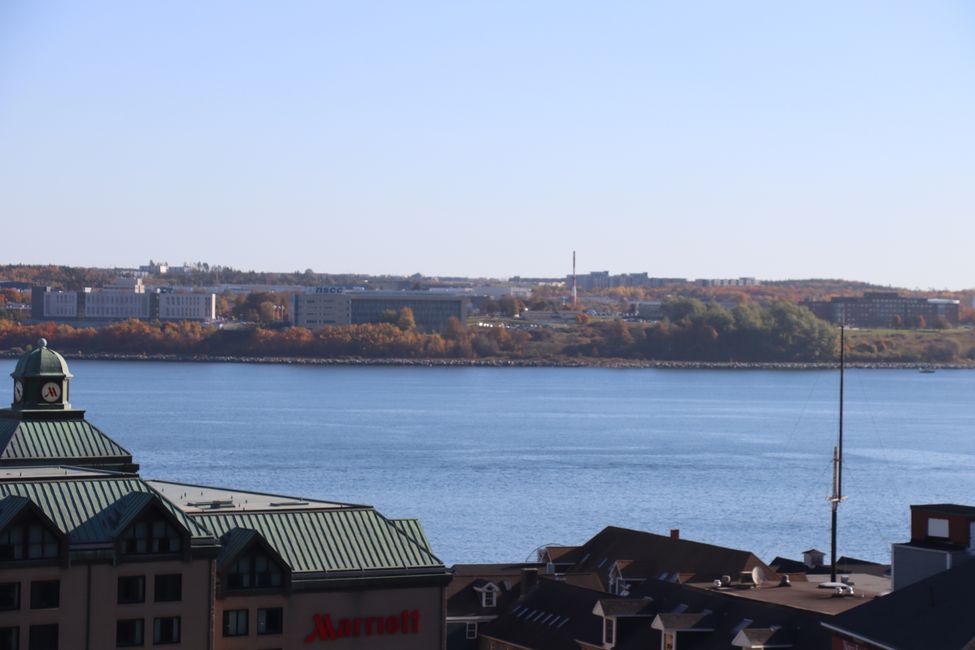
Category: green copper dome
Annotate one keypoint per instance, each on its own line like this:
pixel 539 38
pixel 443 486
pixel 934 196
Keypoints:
pixel 42 361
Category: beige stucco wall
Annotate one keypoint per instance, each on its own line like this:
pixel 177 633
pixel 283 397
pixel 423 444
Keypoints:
pixel 299 610
pixel 73 613
pixel 193 609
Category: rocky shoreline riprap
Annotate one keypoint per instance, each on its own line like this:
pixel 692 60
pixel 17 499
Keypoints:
pixel 554 362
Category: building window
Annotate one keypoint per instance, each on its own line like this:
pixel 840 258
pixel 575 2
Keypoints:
pixel 165 630
pixel 9 638
pixel 130 632
pixel 938 528
pixel 489 598
pixel 270 620
pixel 131 589
pixel 168 588
pixel 235 622
pixel 42 637
pixel 254 571
pixel 471 632
pixel 45 594
pixel 9 597
pixel 609 631
pixel 151 536
pixel 28 542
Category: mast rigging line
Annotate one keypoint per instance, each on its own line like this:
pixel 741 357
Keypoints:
pixel 837 464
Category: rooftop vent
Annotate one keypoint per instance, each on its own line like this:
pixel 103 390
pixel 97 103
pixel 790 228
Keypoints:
pixel 215 504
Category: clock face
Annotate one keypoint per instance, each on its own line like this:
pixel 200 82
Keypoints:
pixel 18 391
pixel 51 392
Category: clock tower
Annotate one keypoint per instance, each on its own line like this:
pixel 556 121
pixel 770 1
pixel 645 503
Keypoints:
pixel 41 381
pixel 42 428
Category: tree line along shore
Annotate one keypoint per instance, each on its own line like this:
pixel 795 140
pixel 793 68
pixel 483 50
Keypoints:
pixel 691 332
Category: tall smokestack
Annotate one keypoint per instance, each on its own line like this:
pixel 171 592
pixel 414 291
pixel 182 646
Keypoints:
pixel 573 279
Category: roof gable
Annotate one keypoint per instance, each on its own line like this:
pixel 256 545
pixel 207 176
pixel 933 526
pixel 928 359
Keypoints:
pixel 241 540
pixel 13 507
pixel 132 507
pixel 89 511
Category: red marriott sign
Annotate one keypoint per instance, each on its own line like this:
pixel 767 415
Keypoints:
pixel 407 622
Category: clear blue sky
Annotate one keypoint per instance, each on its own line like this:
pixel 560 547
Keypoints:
pixel 702 139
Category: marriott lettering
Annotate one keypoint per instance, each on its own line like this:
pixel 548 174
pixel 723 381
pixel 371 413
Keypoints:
pixel 407 622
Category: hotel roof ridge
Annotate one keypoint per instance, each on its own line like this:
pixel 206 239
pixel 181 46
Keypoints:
pixel 64 472
pixel 306 503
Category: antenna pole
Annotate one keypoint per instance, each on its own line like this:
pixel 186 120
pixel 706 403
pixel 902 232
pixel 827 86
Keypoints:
pixel 837 463
pixel 573 279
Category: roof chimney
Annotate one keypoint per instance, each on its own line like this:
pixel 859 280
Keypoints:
pixel 529 578
pixel 675 533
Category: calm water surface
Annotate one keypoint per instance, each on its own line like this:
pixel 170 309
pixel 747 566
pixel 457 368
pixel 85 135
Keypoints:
pixel 496 462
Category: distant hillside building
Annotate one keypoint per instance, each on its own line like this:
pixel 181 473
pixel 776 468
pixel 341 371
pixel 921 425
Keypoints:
pixel 19 286
pixel 603 280
pixel 126 298
pixel 727 282
pixel 593 280
pixel 649 310
pixel 884 309
pixel 323 306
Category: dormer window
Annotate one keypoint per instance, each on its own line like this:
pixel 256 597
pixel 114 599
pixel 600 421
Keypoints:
pixel 28 542
pixel 488 592
pixel 618 586
pixel 609 632
pixel 151 536
pixel 489 598
pixel 254 570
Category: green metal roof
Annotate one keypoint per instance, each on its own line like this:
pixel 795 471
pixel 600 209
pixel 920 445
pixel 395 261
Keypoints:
pixel 62 439
pixel 89 511
pixel 348 539
pixel 10 507
pixel 42 361
pixel 414 530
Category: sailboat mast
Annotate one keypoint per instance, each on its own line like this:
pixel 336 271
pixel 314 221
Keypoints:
pixel 837 464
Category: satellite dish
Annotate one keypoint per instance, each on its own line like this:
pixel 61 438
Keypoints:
pixel 758 576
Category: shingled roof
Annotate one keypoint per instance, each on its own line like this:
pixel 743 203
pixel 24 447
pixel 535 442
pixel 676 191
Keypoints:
pixel 553 615
pixel 649 556
pixel 557 615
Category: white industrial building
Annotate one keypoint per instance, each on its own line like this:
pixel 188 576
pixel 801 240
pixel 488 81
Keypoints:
pixel 126 298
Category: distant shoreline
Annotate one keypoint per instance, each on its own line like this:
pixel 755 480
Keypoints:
pixel 584 362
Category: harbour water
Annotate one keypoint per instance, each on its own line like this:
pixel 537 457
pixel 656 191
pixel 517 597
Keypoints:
pixel 496 462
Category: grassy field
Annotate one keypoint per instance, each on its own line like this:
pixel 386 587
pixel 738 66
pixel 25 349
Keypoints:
pixel 921 346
